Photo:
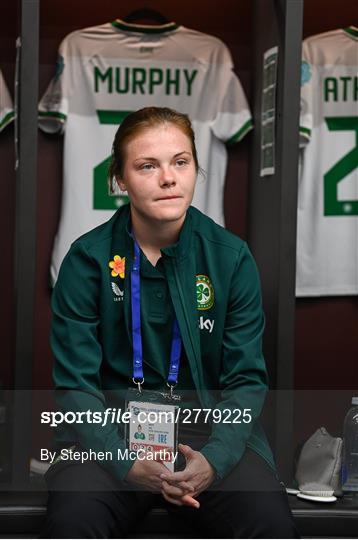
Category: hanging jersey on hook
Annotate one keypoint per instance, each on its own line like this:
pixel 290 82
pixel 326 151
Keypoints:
pixel 327 227
pixel 107 71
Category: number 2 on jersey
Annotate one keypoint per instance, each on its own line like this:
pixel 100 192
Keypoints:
pixel 343 167
pixel 102 198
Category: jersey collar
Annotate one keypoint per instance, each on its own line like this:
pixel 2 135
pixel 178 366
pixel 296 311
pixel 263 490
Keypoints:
pixel 352 31
pixel 145 28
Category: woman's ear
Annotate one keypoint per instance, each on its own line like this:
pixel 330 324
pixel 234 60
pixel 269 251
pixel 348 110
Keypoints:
pixel 121 184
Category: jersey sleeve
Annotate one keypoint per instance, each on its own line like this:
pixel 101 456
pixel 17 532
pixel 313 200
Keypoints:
pixel 233 117
pixel 307 87
pixel 6 106
pixel 53 106
pixel 243 378
pixel 78 357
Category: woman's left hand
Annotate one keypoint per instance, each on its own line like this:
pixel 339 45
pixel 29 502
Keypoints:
pixel 198 473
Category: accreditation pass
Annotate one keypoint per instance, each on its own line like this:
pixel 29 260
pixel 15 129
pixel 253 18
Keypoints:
pixel 152 431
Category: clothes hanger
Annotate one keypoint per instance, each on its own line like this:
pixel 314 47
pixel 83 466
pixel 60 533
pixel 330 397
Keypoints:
pixel 146 13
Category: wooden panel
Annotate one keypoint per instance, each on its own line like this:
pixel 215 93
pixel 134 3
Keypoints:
pixel 8 27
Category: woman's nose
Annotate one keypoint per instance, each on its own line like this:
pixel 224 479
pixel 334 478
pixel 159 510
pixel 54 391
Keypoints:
pixel 167 177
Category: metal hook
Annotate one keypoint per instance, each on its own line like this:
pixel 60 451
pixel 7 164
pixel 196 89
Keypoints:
pixel 171 386
pixel 139 384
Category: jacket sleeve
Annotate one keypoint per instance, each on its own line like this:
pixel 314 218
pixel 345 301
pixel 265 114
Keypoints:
pixel 243 377
pixel 78 357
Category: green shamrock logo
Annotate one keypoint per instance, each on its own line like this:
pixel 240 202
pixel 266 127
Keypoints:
pixel 204 292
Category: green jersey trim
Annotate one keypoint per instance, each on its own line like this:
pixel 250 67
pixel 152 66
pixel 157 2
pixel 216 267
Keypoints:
pixel 305 132
pixel 111 117
pixel 352 31
pixel 54 115
pixel 145 28
pixel 7 119
pixel 241 133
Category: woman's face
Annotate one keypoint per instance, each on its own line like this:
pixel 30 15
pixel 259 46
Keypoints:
pixel 159 173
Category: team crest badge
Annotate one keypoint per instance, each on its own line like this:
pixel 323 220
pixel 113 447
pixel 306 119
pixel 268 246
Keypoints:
pixel 306 73
pixel 204 292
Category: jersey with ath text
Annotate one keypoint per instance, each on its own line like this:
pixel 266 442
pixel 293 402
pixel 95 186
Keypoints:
pixel 327 228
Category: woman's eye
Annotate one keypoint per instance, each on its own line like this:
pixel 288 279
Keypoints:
pixel 147 166
pixel 181 162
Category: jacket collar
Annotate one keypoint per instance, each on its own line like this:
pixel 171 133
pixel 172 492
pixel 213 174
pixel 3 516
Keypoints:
pixel 180 250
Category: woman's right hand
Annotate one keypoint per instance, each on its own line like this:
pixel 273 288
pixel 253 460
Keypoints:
pixel 146 473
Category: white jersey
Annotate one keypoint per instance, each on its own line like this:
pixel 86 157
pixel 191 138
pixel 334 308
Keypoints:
pixel 107 71
pixel 327 234
pixel 6 106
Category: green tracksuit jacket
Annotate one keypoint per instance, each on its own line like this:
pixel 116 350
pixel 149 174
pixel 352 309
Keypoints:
pixel 215 291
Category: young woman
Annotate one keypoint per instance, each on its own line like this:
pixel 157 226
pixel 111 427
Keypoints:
pixel 160 296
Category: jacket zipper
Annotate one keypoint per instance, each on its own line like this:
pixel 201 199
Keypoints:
pixel 187 320
pixel 184 307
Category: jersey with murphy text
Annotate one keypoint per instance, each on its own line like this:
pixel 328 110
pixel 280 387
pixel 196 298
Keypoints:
pixel 106 72
pixel 327 234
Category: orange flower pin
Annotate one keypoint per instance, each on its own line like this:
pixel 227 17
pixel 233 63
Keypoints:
pixel 118 266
